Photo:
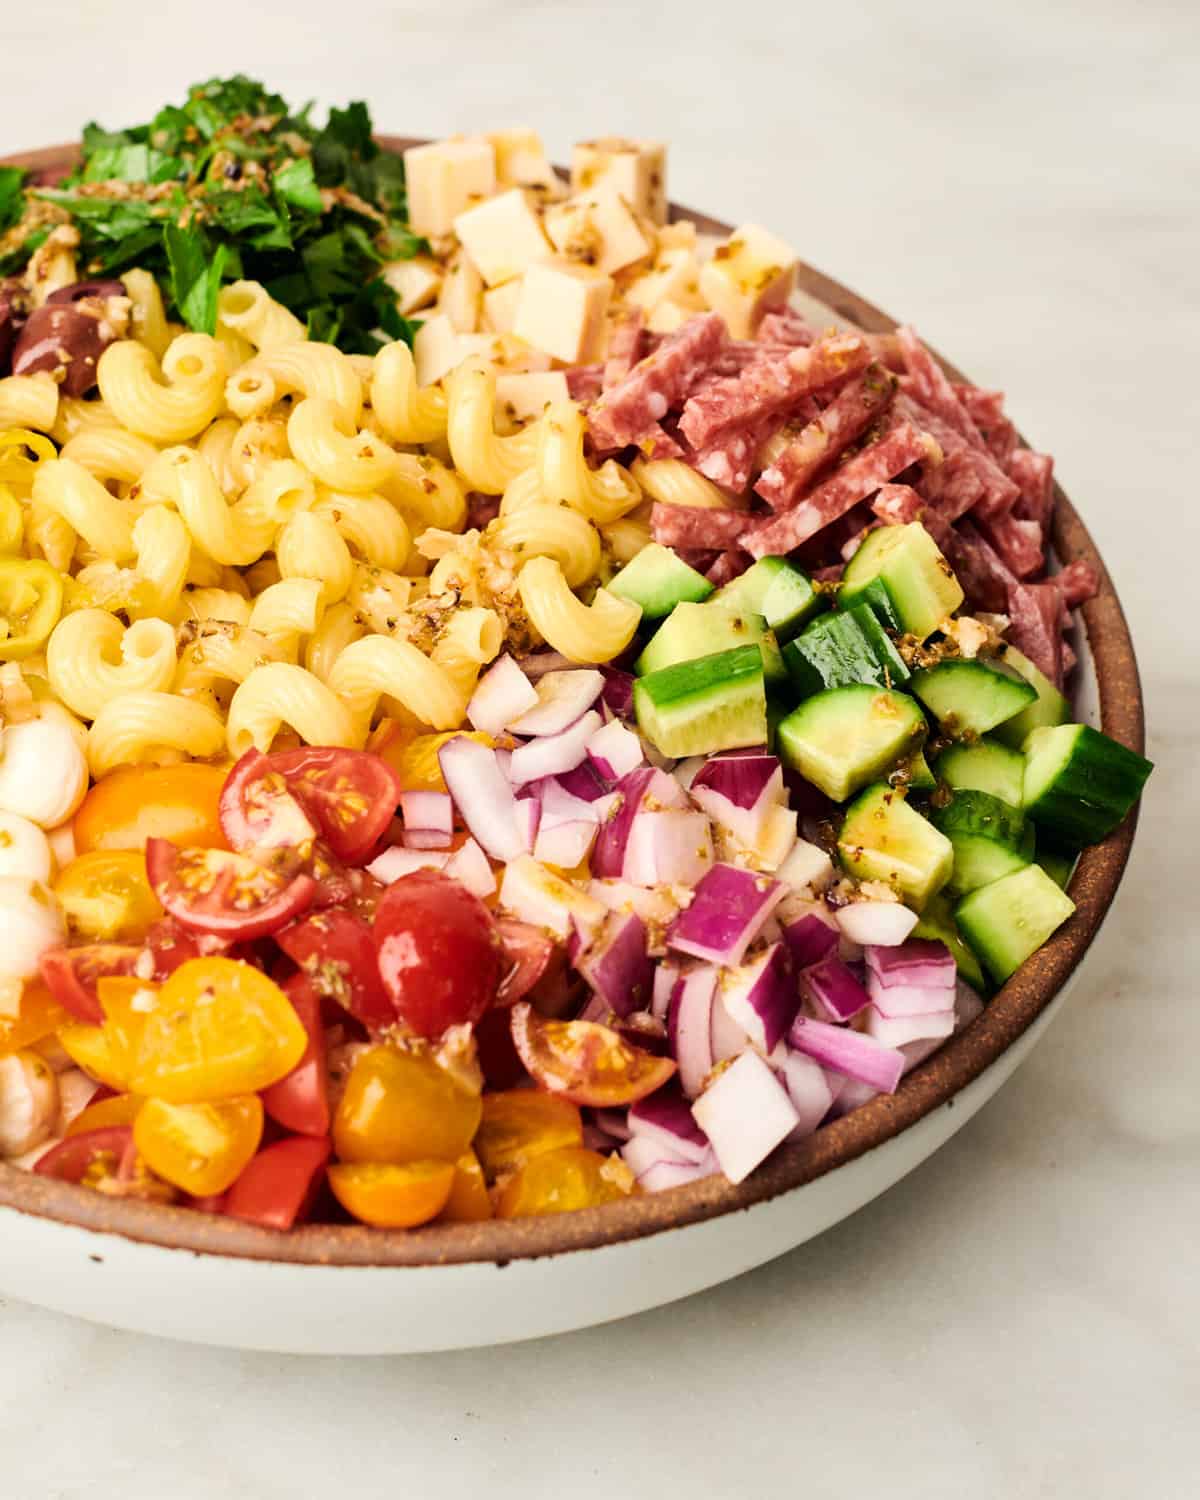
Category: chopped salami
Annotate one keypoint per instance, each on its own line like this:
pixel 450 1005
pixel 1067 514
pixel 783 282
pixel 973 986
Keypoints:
pixel 1022 544
pixel 954 487
pixel 1077 582
pixel 700 558
pixel 831 574
pixel 664 379
pixel 857 478
pixel 1069 657
pixel 984 577
pixel 1033 474
pixel 481 510
pixel 1037 616
pixel 770 384
pixel 584 383
pixel 975 480
pixel 624 348
pixel 931 387
pixel 846 417
pixel 659 443
pixel 691 526
pixel 786 326
pixel 885 347
pixel 730 565
pixel 731 459
pixel 986 410
pixel 900 504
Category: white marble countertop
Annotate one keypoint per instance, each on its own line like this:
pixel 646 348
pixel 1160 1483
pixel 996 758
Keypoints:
pixel 1021 1316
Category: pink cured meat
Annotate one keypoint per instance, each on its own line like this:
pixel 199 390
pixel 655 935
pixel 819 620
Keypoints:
pixel 662 380
pixel 931 387
pixel 1033 473
pixel 1037 617
pixel 984 577
pixel 824 439
pixel 769 385
pixel 624 348
pixel 899 504
pixel 786 326
pixel 973 481
pixel 690 526
pixel 731 459
pixel 1022 544
pixel 954 487
pixel 857 478
pixel 584 382
pixel 728 566
pixel 1077 583
pixel 986 410
pixel 659 443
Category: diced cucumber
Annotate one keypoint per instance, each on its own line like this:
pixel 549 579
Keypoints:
pixel 777 590
pixel 707 704
pixel 937 922
pixel 658 580
pixel 1010 919
pixel 848 646
pixel 695 630
pixel 882 838
pixel 918 579
pixel 917 775
pixel 1079 783
pixel 876 596
pixel 970 697
pixel 988 836
pixel 985 767
pixel 845 737
pixel 777 710
pixel 1049 708
pixel 1059 866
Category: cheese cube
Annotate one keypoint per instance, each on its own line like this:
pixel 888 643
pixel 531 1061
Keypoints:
pixel 749 273
pixel 521 162
pixel 439 348
pixel 502 236
pixel 525 397
pixel 415 282
pixel 635 169
pixel 444 178
pixel 599 230
pixel 673 277
pixel 669 316
pixel 515 355
pixel 562 308
pixel 461 297
pixel 681 235
pixel 500 306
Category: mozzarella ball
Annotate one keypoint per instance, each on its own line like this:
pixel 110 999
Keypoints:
pixel 29 1102
pixel 75 1092
pixel 43 772
pixel 30 922
pixel 24 850
pixel 62 843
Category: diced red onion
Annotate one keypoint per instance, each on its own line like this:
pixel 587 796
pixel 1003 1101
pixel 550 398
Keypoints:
pixel 727 912
pixel 564 845
pixel 809 938
pixel 614 1122
pixel 640 1153
pixel 618 691
pixel 919 961
pixel 806 868
pixel 665 979
pixel 608 861
pixel 851 1096
pixel 747 781
pixel 746 1113
pixel 665 1117
pixel 896 1032
pixel 689 1026
pixel 503 694
pixel 655 907
pixel 671 1174
pixel 561 806
pixel 584 782
pixel 615 750
pixel 761 996
pixel 899 1000
pixel 470 866
pixel 552 754
pixel 427 812
pixel 563 697
pixel 617 965
pixel 967 1005
pixel 426 838
pixel 835 988
pixel 484 797
pixel 643 1030
pixel 883 924
pixel 533 893
pixel 685 772
pixel 596 1009
pixel 728 1038
pixel 538 663
pixel 808 1089
pixel 395 862
pixel 671 847
pixel 849 1052
pixel 529 818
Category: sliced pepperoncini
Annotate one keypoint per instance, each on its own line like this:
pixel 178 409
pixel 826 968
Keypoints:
pixel 31 598
pixel 12 522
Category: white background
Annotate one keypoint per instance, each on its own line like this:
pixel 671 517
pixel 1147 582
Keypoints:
pixel 1021 1317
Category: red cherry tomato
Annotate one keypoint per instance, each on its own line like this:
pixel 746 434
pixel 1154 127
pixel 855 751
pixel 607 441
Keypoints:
pixel 584 1062
pixel 260 816
pixel 439 956
pixel 300 1101
pixel 502 1067
pixel 336 951
pixel 210 890
pixel 529 951
pixel 279 1186
pixel 173 944
pixel 94 1154
pixel 351 794
pixel 71 975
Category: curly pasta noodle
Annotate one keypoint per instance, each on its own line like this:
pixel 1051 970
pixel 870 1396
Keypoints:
pixel 551 531
pixel 92 659
pixel 168 403
pixel 427 492
pixel 304 368
pixel 378 666
pixel 602 494
pixel 371 526
pixel 340 624
pixel 28 401
pixel 152 726
pixel 469 640
pixel 281 693
pixel 110 453
pixel 65 489
pixel 226 533
pixel 672 482
pixel 488 461
pixel 329 448
pixel 582 632
pixel 311 546
pixel 406 412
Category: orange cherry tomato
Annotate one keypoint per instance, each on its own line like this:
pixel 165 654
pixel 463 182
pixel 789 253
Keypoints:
pixel 220 1028
pixel 138 803
pixel 390 1196
pixel 468 1202
pixel 201 1148
pixel 106 896
pixel 585 1062
pixel 519 1124
pixel 561 1182
pixel 415 759
pixel 125 1003
pixel 400 1106
pixel 117 1109
pixel 90 1048
pixel 38 1017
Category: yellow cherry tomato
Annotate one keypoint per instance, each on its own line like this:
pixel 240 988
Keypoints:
pixel 201 1148
pixel 119 1109
pixel 561 1182
pixel 126 1003
pixel 393 1197
pixel 414 758
pixel 519 1124
pixel 468 1201
pixel 90 1048
pixel 137 803
pixel 38 1016
pixel 31 600
pixel 106 896
pixel 399 1106
pixel 220 1028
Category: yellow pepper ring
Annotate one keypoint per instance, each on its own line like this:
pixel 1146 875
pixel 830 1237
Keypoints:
pixel 31 599
pixel 12 522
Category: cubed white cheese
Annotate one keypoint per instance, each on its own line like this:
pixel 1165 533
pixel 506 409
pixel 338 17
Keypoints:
pixel 674 276
pixel 562 308
pixel 598 229
pixel 526 396
pixel 461 296
pixel 516 355
pixel 681 235
pixel 668 316
pixel 500 306
pixel 415 282
pixel 635 169
pixel 521 162
pixel 444 178
pixel 749 274
pixel 439 348
pixel 502 236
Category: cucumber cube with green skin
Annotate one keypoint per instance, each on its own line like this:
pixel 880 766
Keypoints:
pixel 937 923
pixel 1009 920
pixel 878 600
pixel 1059 866
pixel 658 580
pixel 883 838
pixel 989 839
pixel 918 579
pixel 1049 708
pixel 987 766
pixel 778 591
pixel 1079 783
pixel 845 737
pixel 696 630
pixel 917 775
pixel 970 697
pixel 848 646
pixel 710 703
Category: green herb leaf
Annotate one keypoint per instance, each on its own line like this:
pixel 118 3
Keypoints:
pixel 132 163
pixel 295 184
pixel 12 199
pixel 195 276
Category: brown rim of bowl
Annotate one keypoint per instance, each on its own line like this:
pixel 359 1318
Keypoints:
pixel 963 1058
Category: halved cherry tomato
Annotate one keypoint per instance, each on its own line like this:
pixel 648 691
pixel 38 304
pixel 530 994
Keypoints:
pixel 126 1004
pixel 400 1105
pixel 390 1196
pixel 468 1202
pixel 220 1028
pixel 529 951
pixel 138 803
pixel 106 896
pixel 439 956
pixel 336 951
pixel 560 1182
pixel 520 1124
pixel 280 1184
pixel 108 1161
pixel 71 975
pixel 90 1048
pixel 351 794
pixel 38 1017
pixel 117 1109
pixel 300 1101
pixel 201 1148
pixel 172 944
pixel 414 758
pixel 502 1068
pixel 585 1062
pixel 227 894
pixel 260 816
